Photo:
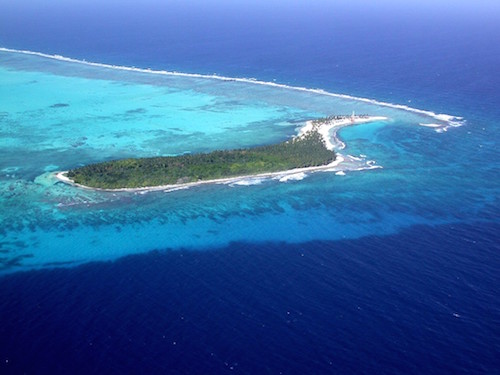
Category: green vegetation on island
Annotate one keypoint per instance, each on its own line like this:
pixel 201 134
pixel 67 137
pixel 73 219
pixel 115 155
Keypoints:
pixel 309 150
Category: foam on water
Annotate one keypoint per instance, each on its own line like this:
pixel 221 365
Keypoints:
pixel 245 182
pixel 292 177
pixel 340 272
pixel 43 218
pixel 169 190
pixel 449 120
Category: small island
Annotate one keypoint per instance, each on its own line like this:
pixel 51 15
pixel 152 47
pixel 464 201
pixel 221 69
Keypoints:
pixel 310 150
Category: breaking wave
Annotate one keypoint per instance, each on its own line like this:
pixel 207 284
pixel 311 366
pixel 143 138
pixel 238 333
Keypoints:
pixel 447 120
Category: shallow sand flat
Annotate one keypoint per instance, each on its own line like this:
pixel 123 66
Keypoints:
pixel 323 128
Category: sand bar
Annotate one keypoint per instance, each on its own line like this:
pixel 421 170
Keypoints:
pixel 327 128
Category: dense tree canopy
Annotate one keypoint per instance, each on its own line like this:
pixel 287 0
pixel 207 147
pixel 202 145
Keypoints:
pixel 306 151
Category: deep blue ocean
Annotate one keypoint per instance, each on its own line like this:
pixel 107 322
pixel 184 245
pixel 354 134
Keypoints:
pixel 394 270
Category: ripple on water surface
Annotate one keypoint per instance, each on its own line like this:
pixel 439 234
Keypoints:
pixel 116 112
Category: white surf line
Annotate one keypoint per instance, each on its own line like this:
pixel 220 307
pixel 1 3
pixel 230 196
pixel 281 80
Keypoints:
pixel 324 128
pixel 61 176
pixel 450 120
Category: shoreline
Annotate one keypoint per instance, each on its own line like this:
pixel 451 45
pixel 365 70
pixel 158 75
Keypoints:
pixel 227 180
pixel 324 128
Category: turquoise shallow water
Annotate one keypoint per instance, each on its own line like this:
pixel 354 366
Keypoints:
pixel 324 275
pixel 57 115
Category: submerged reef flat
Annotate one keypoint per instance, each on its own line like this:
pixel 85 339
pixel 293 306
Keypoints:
pixel 310 150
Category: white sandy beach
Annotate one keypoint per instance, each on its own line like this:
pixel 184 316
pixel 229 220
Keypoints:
pixel 61 176
pixel 328 130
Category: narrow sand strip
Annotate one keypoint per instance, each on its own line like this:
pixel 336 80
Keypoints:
pixel 61 176
pixel 333 125
pixel 324 128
